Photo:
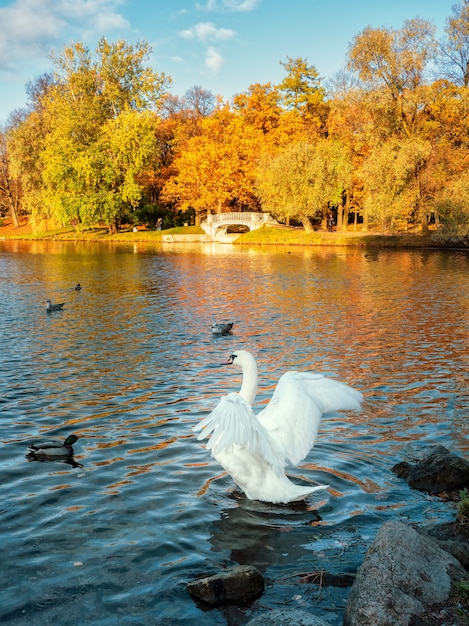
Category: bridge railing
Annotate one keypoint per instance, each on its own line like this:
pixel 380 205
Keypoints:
pixel 238 216
pixel 216 222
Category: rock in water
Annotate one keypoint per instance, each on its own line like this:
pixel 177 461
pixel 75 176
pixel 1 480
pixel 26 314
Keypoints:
pixel 237 584
pixel 402 575
pixel 438 470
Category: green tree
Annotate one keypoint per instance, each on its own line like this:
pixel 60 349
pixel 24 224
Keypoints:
pixel 301 87
pixel 97 135
pixel 392 181
pixel 283 184
pixel 331 171
pixel 302 94
pixel 303 180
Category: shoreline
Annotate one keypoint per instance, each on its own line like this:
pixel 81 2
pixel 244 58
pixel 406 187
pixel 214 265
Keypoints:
pixel 266 236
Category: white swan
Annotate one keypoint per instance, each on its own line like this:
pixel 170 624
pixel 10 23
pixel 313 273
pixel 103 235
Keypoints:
pixel 254 450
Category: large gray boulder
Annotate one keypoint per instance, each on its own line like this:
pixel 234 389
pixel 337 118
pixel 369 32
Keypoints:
pixel 402 575
pixel 452 537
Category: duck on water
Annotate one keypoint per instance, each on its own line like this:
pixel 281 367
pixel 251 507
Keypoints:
pixel 53 307
pixel 53 449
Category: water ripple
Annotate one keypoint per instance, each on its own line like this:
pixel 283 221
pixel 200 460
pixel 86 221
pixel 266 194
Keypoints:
pixel 130 365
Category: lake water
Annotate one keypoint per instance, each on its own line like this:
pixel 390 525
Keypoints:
pixel 130 365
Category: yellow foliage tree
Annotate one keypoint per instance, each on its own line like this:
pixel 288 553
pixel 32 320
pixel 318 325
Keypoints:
pixel 214 170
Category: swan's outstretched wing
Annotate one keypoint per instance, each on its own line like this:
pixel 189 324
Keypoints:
pixel 293 414
pixel 233 423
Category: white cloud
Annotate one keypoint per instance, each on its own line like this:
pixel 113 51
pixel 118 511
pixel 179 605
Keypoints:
pixel 32 27
pixel 213 59
pixel 211 5
pixel 241 5
pixel 207 31
pixel 231 5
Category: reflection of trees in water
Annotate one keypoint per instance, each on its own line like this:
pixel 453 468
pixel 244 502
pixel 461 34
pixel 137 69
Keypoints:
pixel 261 534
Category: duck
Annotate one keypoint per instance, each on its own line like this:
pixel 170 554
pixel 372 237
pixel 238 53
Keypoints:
pixel 53 307
pixel 53 448
pixel 222 328
pixel 255 449
pixel 77 287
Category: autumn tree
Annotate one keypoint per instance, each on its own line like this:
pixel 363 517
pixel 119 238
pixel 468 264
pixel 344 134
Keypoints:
pixel 214 169
pixel 452 206
pixel 25 144
pixel 9 186
pixel 200 102
pixel 259 106
pixel 453 49
pixel 395 62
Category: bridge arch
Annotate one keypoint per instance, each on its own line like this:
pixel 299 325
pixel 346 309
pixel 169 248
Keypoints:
pixel 216 224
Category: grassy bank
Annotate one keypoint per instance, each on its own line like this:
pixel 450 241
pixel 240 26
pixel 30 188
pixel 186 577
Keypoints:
pixel 275 236
pixel 24 232
pixel 267 235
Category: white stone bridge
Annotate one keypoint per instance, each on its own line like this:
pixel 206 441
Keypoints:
pixel 216 224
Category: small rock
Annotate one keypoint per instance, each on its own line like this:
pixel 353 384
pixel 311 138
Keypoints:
pixel 237 584
pixel 438 470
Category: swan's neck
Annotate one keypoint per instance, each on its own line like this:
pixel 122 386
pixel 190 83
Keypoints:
pixel 248 389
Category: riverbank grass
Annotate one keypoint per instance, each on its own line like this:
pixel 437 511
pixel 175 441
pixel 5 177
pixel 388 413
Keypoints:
pixel 267 235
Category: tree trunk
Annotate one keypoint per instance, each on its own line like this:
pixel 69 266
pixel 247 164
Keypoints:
pixel 11 204
pixel 346 211
pixel 340 216
pixel 5 184
pixel 424 224
pixel 14 215
pixel 365 220
pixel 307 224
pixel 113 227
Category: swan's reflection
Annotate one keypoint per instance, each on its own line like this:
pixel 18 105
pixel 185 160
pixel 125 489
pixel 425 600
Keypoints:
pixel 261 534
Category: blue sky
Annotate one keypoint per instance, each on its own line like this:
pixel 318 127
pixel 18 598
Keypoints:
pixel 222 45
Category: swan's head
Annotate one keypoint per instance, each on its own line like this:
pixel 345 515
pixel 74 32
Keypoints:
pixel 245 360
pixel 242 358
